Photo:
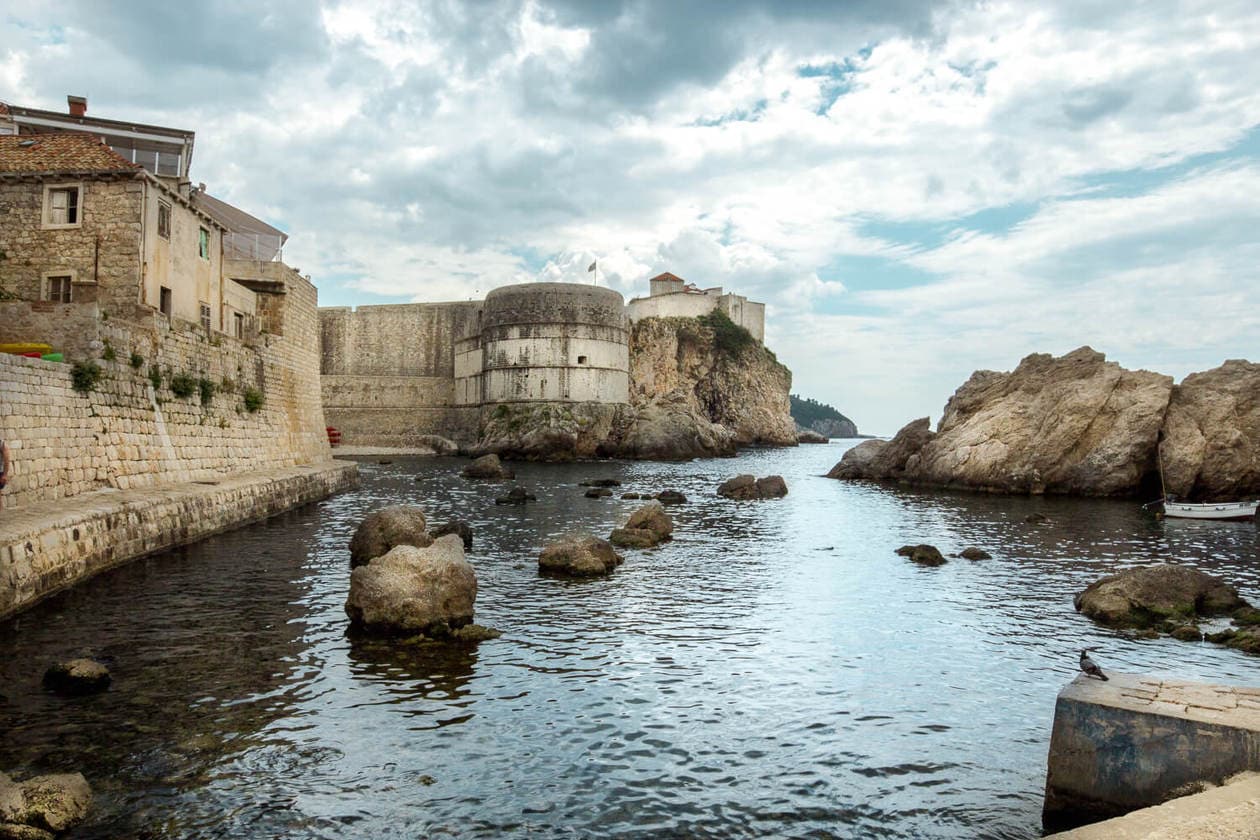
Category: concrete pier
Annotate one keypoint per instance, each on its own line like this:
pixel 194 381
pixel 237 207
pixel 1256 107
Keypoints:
pixel 1137 741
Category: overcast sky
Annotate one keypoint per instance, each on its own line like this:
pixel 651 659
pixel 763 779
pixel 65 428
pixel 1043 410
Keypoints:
pixel 916 189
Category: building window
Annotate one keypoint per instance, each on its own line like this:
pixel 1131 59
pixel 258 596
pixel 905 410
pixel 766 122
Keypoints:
pixel 63 206
pixel 205 316
pixel 164 301
pixel 203 243
pixel 238 325
pixel 164 220
pixel 57 287
pixel 581 360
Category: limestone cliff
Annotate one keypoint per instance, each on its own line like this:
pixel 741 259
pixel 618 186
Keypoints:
pixel 718 370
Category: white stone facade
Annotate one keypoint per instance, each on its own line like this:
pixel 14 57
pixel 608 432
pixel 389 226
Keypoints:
pixel 672 297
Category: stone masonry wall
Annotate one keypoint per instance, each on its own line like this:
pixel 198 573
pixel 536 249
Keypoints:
pixel 125 434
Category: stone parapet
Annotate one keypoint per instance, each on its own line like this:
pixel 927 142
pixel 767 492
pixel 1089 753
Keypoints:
pixel 44 550
pixel 1136 741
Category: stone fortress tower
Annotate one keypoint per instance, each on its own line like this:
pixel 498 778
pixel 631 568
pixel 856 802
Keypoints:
pixel 546 342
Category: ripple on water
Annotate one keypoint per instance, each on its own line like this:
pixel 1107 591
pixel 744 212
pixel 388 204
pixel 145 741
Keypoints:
pixel 775 670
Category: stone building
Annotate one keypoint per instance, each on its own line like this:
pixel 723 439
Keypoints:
pixel 669 296
pixel 395 373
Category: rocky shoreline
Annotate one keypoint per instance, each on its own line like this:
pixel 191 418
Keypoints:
pixel 1080 425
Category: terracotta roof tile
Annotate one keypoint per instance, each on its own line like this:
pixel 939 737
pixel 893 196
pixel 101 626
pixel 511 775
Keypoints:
pixel 35 153
pixel 668 276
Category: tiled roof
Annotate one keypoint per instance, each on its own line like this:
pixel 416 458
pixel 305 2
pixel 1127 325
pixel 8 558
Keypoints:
pixel 35 153
pixel 668 276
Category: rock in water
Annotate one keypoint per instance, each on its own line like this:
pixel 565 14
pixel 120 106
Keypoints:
pixel 670 497
pixel 77 676
pixel 975 554
pixel 455 526
pixel 489 467
pixel 884 459
pixel 1211 445
pixel 922 554
pixel 600 482
pixel 44 805
pixel 810 436
pixel 579 556
pixel 744 487
pixel 413 590
pixel 598 493
pixel 1151 595
pixel 771 487
pixel 386 528
pixel 648 526
pixel 669 428
pixel 516 496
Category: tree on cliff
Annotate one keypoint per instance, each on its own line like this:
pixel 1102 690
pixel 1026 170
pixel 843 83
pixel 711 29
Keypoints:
pixel 821 418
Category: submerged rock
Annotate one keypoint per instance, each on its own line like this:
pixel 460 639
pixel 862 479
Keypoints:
pixel 488 467
pixel 1152 595
pixel 516 496
pixel 598 493
pixel 413 590
pixel 49 804
pixel 1036 519
pixel 600 482
pixel 579 556
pixel 631 496
pixel 974 553
pixel 77 676
pixel 922 554
pixel 455 526
pixel 670 497
pixel 385 528
pixel 648 526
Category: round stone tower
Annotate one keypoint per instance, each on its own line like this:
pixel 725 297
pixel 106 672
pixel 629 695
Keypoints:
pixel 554 342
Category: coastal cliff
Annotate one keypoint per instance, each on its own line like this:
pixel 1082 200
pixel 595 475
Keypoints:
pixel 1080 425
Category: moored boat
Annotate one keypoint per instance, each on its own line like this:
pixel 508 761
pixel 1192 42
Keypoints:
pixel 1211 510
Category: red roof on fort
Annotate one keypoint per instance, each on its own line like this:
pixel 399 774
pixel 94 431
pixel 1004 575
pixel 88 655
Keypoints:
pixel 35 153
pixel 668 276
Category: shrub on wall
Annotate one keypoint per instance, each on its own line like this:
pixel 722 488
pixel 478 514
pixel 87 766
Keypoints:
pixel 109 355
pixel 207 390
pixel 84 376
pixel 183 385
pixel 730 337
pixel 137 361
pixel 155 377
pixel 253 399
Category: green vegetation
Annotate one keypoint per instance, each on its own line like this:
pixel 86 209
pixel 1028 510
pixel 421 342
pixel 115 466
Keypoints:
pixel 183 385
pixel 227 385
pixel 109 355
pixel 155 378
pixel 253 399
pixel 207 390
pixel 807 412
pixel 137 361
pixel 84 376
pixel 730 338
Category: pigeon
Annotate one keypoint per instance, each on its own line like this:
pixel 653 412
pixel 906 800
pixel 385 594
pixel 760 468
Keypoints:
pixel 1090 667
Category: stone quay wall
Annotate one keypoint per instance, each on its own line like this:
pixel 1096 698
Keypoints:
pixel 45 550
pixel 125 433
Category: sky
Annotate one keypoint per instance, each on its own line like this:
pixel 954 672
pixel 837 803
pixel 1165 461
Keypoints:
pixel 916 189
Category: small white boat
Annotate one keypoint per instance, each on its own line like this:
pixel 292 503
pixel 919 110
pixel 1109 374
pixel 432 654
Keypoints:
pixel 1211 510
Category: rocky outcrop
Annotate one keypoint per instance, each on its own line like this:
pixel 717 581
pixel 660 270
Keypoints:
pixel 668 428
pixel 1076 424
pixel 44 806
pixel 488 467
pixel 885 459
pixel 386 528
pixel 1153 595
pixel 648 526
pixel 77 676
pixel 719 370
pixel 745 487
pixel 548 431
pixel 579 556
pixel 1211 440
pixel 810 436
pixel 408 591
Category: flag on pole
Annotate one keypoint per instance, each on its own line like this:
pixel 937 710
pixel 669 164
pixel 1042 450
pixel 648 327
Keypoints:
pixel 591 267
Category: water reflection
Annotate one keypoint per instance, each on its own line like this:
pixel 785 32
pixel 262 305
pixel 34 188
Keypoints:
pixel 774 670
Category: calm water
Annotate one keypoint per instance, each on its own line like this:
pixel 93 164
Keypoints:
pixel 774 671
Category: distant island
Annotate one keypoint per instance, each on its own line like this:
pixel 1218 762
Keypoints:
pixel 821 418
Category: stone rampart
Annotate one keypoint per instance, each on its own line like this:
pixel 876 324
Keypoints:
pixel 1135 741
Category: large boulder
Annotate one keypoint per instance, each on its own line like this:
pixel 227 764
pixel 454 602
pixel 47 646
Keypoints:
pixel 771 487
pixel 77 676
pixel 669 428
pixel 579 556
pixel 884 459
pixel 1076 424
pixel 1152 595
pixel 648 526
pixel 44 805
pixel 1211 442
pixel 385 528
pixel 488 467
pixel 411 590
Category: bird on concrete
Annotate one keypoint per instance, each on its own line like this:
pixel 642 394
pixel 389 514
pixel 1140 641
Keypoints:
pixel 1090 667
